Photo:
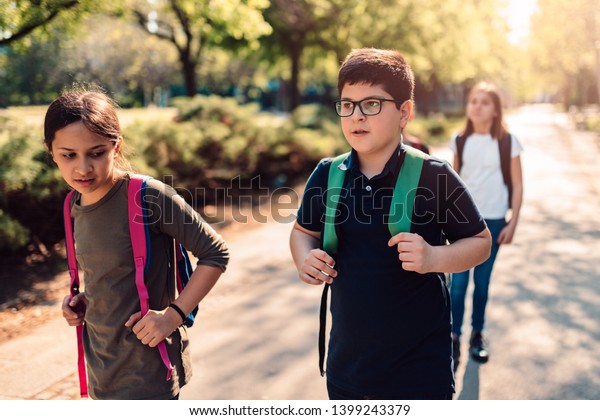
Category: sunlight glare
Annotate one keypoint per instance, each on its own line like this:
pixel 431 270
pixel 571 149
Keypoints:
pixel 518 13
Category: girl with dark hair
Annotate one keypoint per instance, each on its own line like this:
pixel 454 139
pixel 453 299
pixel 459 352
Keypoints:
pixel 83 135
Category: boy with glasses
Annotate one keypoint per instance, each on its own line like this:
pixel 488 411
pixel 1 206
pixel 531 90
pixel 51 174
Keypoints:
pixel 390 335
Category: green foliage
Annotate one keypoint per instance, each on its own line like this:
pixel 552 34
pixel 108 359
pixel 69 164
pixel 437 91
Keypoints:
pixel 590 122
pixel 18 19
pixel 215 140
pixel 191 26
pixel 13 236
pixel 434 130
pixel 565 49
pixel 31 189
pixel 19 158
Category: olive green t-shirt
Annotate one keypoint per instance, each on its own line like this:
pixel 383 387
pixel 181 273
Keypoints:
pixel 119 366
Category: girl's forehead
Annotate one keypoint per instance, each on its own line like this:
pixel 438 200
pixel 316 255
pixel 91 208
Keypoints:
pixel 480 94
pixel 76 136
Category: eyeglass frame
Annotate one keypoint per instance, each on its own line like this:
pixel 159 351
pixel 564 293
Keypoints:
pixel 354 103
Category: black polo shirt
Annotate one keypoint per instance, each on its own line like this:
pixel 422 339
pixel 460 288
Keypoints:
pixel 390 331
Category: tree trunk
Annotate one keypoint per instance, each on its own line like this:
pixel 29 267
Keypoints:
pixel 188 67
pixel 295 54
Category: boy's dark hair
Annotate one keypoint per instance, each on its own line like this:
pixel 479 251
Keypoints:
pixel 372 66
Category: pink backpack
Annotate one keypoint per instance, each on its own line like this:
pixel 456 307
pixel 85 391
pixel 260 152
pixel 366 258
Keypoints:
pixel 140 243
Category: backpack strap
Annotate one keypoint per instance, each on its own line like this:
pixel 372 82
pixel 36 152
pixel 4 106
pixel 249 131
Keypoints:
pixel 405 190
pixel 400 216
pixel 504 146
pixel 139 237
pixel 74 290
pixel 335 182
pixel 460 147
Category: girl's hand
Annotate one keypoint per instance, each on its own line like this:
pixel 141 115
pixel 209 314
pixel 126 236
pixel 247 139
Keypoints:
pixel 317 268
pixel 73 309
pixel 414 252
pixel 506 234
pixel 155 326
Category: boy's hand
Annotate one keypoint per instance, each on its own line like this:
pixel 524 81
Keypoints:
pixel 73 309
pixel 414 252
pixel 155 326
pixel 317 268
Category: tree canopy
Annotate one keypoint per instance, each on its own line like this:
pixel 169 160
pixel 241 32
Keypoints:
pixel 191 26
pixel 300 43
pixel 19 19
pixel 568 58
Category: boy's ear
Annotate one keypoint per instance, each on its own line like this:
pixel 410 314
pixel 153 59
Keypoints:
pixel 406 110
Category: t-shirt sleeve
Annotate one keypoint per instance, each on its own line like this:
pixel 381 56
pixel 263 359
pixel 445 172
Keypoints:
pixel 515 147
pixel 170 214
pixel 453 144
pixel 458 214
pixel 312 207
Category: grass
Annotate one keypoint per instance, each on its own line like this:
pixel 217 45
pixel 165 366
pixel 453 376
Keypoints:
pixel 34 115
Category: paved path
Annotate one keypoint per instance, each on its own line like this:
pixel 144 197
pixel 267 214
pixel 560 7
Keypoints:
pixel 543 316
pixel 257 335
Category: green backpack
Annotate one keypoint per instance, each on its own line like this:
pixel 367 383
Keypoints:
pixel 401 210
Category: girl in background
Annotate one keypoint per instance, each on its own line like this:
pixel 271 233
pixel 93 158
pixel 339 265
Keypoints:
pixel 477 160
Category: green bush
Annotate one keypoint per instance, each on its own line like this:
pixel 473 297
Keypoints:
pixel 13 236
pixel 31 190
pixel 435 130
pixel 593 124
pixel 215 139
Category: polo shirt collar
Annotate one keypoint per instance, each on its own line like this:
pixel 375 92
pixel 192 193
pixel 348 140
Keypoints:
pixel 351 163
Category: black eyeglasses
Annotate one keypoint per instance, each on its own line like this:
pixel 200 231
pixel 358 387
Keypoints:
pixel 368 106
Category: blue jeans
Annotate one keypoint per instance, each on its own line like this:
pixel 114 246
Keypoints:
pixel 481 277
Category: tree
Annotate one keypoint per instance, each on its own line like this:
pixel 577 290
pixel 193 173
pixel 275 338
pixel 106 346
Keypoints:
pixel 190 26
pixel 565 48
pixel 121 57
pixel 296 25
pixel 445 41
pixel 21 18
pixel 31 73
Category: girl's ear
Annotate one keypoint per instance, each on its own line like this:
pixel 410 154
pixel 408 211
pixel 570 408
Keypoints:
pixel 118 145
pixel 49 151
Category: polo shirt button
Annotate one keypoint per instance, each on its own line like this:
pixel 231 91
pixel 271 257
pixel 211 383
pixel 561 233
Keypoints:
pixel 368 188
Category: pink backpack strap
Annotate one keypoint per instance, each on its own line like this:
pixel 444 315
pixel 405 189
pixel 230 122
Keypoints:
pixel 137 232
pixel 74 289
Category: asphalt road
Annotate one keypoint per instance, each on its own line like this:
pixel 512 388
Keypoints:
pixel 257 333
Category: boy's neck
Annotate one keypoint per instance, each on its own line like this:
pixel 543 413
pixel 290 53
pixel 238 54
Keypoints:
pixel 372 164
